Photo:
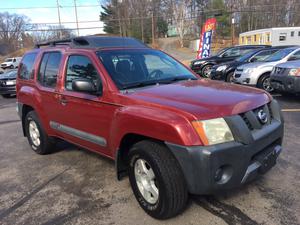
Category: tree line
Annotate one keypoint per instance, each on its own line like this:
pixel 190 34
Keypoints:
pixel 142 18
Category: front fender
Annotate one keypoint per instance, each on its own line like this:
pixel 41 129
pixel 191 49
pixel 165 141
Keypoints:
pixel 153 123
pixel 262 71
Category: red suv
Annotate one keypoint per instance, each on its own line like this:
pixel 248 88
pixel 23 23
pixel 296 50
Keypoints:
pixel 170 131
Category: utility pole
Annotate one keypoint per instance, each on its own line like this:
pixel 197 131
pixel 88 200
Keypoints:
pixel 60 27
pixel 76 16
pixel 119 17
pixel 153 29
pixel 232 21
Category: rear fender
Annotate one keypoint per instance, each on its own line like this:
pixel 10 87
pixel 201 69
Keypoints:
pixel 28 95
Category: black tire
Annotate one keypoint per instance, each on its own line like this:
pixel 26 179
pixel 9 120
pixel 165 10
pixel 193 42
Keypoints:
pixel 169 179
pixel 229 77
pixel 6 95
pixel 204 71
pixel 47 143
pixel 11 67
pixel 262 82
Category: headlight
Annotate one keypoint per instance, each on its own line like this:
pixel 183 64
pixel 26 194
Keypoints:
pixel 249 70
pixel 294 72
pixel 197 62
pixel 214 131
pixel 221 68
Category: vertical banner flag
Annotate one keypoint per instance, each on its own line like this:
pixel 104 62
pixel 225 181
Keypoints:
pixel 206 38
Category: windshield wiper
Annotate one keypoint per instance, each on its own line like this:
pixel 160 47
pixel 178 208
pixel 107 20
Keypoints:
pixel 178 78
pixel 156 82
pixel 139 84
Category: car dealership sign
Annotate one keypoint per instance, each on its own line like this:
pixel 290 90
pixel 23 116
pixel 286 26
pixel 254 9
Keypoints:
pixel 206 38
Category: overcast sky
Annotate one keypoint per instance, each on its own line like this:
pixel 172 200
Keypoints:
pixel 67 14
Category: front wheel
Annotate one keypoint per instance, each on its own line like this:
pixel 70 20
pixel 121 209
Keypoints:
pixel 264 83
pixel 6 95
pixel 206 71
pixel 11 67
pixel 229 77
pixel 157 180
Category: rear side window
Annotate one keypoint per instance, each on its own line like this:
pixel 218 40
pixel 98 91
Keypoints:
pixel 48 70
pixel 26 67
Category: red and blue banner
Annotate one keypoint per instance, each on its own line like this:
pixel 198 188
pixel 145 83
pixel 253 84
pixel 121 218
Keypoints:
pixel 206 38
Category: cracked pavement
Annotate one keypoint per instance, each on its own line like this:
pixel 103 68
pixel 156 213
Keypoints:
pixel 75 186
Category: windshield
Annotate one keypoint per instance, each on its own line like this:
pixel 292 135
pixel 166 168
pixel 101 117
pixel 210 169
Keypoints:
pixel 245 57
pixel 134 68
pixel 279 55
pixel 8 60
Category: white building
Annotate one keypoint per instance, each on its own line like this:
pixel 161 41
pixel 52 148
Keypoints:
pixel 271 36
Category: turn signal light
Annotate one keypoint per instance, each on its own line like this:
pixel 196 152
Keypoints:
pixel 295 72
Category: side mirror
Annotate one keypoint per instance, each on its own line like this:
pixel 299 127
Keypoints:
pixel 292 58
pixel 85 86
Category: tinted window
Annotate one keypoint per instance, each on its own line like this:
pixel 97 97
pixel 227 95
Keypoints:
pixel 295 56
pixel 279 55
pixel 261 56
pixel 235 52
pixel 81 67
pixel 26 70
pixel 49 67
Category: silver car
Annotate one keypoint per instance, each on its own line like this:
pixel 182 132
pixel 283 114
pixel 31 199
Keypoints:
pixel 258 73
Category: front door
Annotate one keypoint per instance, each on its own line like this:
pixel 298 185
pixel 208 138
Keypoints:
pixel 83 118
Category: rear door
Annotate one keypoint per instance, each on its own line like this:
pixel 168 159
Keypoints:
pixel 47 83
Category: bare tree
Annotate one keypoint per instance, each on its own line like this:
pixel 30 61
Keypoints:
pixel 12 27
pixel 182 22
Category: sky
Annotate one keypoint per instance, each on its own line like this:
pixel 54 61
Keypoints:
pixel 90 12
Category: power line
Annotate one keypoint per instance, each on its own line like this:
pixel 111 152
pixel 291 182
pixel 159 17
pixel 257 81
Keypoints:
pixel 50 7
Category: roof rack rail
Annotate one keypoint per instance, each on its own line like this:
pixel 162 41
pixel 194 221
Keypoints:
pixel 53 43
pixel 95 42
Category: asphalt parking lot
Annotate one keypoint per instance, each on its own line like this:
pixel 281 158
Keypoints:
pixel 75 186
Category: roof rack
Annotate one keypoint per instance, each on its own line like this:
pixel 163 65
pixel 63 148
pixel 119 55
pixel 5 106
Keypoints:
pixel 95 42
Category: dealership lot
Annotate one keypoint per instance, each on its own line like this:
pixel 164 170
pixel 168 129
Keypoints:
pixel 75 186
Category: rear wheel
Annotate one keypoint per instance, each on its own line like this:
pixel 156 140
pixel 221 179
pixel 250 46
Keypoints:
pixel 157 180
pixel 264 83
pixel 11 67
pixel 39 141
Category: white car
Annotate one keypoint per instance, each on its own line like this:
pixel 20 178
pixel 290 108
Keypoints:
pixel 11 63
pixel 258 73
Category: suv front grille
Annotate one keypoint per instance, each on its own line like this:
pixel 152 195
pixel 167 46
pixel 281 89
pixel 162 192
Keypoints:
pixel 279 70
pixel 255 119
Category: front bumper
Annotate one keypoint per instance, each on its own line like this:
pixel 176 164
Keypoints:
pixel 209 169
pixel 245 78
pixel 217 75
pixel 7 90
pixel 284 83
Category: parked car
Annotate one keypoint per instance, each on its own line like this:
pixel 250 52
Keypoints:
pixel 285 77
pixel 11 63
pixel 170 131
pixel 225 71
pixel 8 83
pixel 203 66
pixel 258 73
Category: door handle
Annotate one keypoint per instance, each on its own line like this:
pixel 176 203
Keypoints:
pixel 62 99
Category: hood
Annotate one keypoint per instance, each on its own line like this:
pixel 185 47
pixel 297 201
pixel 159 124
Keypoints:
pixel 9 75
pixel 290 65
pixel 204 99
pixel 211 58
pixel 258 65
